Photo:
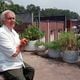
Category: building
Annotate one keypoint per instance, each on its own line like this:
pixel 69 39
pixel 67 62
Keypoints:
pixel 22 22
pixel 52 26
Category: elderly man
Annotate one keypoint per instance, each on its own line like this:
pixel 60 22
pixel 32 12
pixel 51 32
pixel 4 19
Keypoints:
pixel 11 61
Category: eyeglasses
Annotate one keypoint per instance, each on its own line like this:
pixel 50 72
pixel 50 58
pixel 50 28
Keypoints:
pixel 10 18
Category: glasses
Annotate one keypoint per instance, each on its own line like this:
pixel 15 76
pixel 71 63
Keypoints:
pixel 10 18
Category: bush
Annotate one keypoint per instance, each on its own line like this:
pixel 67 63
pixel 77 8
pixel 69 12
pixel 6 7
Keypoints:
pixel 33 33
pixel 68 41
pixel 55 45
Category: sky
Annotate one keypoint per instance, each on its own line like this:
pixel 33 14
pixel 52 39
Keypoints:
pixel 72 5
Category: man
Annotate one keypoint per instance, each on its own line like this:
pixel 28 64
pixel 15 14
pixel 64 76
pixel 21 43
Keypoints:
pixel 11 61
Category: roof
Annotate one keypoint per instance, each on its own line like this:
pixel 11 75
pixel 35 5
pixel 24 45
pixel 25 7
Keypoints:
pixel 24 17
pixel 54 18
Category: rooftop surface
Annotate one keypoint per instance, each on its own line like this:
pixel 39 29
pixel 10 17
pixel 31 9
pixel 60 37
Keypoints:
pixel 52 69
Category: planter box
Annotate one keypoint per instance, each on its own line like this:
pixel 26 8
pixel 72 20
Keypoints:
pixel 70 56
pixel 53 53
pixel 31 46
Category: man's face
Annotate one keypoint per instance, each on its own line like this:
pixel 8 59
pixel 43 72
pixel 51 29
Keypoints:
pixel 9 20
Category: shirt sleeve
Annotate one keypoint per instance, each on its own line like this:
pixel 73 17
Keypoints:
pixel 6 46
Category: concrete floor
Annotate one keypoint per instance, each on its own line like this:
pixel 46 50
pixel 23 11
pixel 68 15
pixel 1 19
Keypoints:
pixel 52 69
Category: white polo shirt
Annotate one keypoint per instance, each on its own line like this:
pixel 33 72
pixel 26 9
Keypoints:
pixel 9 40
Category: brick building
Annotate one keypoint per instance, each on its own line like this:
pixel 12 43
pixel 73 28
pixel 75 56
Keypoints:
pixel 52 26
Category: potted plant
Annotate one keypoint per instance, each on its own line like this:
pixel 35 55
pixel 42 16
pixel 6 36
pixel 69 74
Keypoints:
pixel 69 46
pixel 40 45
pixel 54 49
pixel 32 33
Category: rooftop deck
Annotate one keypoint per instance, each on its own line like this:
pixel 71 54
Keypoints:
pixel 52 69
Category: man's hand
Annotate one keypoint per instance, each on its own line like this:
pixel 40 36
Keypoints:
pixel 24 42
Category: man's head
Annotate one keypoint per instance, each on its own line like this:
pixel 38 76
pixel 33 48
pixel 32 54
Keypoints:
pixel 8 18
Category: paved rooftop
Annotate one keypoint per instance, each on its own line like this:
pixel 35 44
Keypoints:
pixel 52 69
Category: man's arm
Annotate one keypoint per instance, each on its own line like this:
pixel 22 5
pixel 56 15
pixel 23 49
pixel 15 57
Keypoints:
pixel 23 42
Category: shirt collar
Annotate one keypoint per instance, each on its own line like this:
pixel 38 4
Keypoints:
pixel 4 26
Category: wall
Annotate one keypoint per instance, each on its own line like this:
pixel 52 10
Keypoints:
pixel 51 29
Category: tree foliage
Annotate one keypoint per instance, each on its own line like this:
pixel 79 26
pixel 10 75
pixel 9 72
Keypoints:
pixel 51 12
pixel 36 10
pixel 14 7
pixel 33 9
pixel 59 12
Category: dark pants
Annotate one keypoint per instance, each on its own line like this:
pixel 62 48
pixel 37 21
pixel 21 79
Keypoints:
pixel 28 72
pixel 8 76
